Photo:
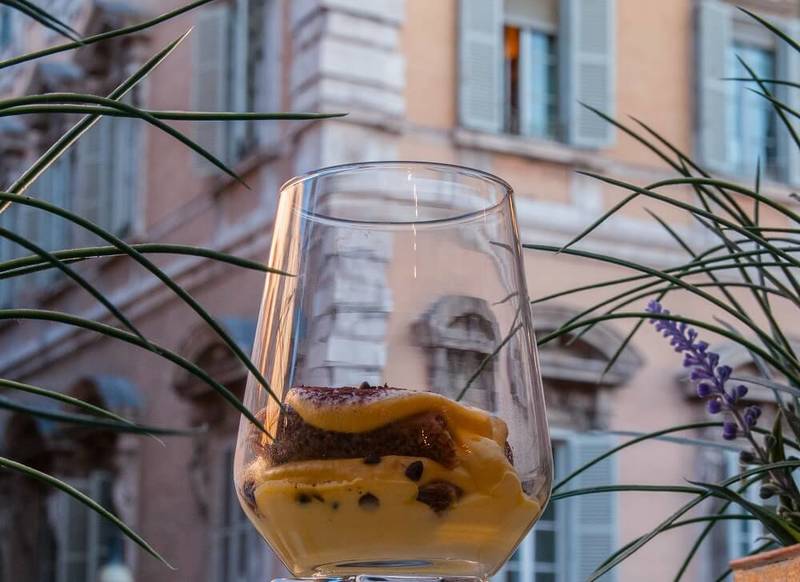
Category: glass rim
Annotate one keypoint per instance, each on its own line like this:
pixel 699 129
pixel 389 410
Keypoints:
pixel 505 188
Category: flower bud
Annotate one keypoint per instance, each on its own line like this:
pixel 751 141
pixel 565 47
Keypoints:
pixel 741 391
pixel 729 431
pixel 714 406
pixel 704 390
pixel 747 458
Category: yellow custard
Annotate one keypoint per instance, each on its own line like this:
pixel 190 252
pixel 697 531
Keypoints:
pixel 321 515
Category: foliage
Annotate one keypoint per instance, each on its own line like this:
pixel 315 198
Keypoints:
pixel 93 108
pixel 746 257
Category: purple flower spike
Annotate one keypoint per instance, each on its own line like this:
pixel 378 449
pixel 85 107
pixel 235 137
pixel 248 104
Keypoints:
pixel 705 370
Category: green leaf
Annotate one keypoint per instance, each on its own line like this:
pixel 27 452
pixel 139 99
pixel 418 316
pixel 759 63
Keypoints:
pixel 784 531
pixel 150 266
pixel 34 55
pixel 632 548
pixel 107 330
pixel 44 18
pixel 84 499
pixel 32 263
pixel 91 421
pixel 72 274
pixel 164 115
pixel 76 131
pixel 64 398
pixel 772 28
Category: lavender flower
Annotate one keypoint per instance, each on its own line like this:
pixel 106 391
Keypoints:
pixel 709 376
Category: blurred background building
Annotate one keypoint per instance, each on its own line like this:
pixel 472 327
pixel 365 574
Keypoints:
pixel 493 84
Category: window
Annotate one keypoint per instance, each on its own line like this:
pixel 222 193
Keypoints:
pixel 738 129
pixel 6 27
pixel 241 554
pixel 106 175
pixel 86 541
pixel 573 536
pixel 458 333
pixel 531 72
pixel 230 66
pixel 753 120
pixel 526 66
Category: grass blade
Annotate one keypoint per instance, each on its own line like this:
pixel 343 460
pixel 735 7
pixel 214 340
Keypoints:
pixel 16 266
pixel 72 274
pixel 91 421
pixel 110 331
pixel 76 131
pixel 84 499
pixel 34 55
pixel 44 18
pixel 164 115
pixel 158 273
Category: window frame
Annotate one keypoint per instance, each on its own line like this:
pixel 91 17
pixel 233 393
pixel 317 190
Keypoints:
pixel 744 34
pixel 63 507
pixel 229 530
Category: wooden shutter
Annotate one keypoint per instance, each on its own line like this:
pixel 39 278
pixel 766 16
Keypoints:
pixel 789 70
pixel 592 518
pixel 210 79
pixel 587 70
pixel 268 92
pixel 713 40
pixel 481 65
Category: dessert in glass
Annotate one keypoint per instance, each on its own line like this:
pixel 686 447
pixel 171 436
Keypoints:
pixel 403 429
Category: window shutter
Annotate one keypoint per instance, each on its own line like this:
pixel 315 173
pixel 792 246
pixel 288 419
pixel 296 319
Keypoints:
pixel 126 136
pixel 593 517
pixel 789 70
pixel 94 159
pixel 210 79
pixel 481 65
pixel 6 254
pixel 713 39
pixel 587 56
pixel 238 76
pixel 269 91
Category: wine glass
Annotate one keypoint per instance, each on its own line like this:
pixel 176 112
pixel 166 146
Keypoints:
pixel 405 432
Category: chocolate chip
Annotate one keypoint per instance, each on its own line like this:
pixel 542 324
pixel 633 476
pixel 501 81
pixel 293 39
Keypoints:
pixel 414 470
pixel 303 498
pixel 364 386
pixel 335 505
pixel 369 502
pixel 249 492
pixel 372 459
pixel 439 495
pixel 509 454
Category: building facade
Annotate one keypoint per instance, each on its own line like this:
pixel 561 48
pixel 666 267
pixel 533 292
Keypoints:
pixel 492 84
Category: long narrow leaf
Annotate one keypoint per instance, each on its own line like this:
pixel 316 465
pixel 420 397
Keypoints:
pixel 90 421
pixel 34 55
pixel 74 275
pixel 44 18
pixel 16 266
pixel 84 499
pixel 150 266
pixel 110 331
pixel 61 145
pixel 164 115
